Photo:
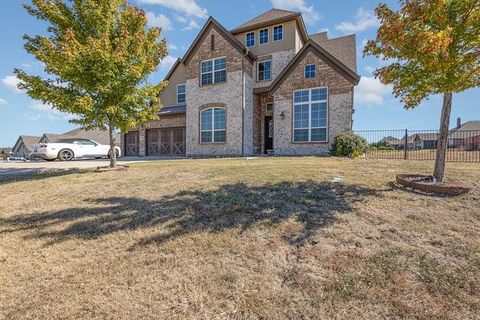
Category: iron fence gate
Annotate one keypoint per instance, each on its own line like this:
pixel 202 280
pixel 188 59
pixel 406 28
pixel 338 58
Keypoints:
pixel 463 146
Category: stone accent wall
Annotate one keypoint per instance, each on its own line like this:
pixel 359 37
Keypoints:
pixel 227 94
pixel 279 62
pixel 234 94
pixel 340 106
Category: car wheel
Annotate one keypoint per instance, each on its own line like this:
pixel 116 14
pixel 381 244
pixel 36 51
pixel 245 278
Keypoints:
pixel 65 155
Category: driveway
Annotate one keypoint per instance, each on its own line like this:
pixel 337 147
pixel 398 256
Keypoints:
pixel 19 168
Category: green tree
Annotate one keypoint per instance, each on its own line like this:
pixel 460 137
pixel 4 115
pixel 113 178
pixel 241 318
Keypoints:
pixel 97 56
pixel 435 46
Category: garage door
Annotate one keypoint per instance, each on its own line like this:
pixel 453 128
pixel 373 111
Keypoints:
pixel 166 142
pixel 131 143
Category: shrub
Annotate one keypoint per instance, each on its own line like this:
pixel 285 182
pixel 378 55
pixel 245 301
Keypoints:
pixel 348 145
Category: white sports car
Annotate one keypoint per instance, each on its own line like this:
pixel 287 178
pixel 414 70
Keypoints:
pixel 68 149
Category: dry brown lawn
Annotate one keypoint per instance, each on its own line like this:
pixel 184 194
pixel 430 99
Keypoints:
pixel 268 238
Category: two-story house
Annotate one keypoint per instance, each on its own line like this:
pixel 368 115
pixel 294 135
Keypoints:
pixel 265 87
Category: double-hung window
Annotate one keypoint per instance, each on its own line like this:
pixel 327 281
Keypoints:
pixel 213 125
pixel 310 71
pixel 263 36
pixel 214 71
pixel 278 33
pixel 310 114
pixel 250 41
pixel 264 70
pixel 181 94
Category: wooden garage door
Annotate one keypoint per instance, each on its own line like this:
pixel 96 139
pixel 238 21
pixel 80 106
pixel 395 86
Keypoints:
pixel 131 143
pixel 166 142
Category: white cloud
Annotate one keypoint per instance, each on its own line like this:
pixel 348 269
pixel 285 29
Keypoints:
pixel 171 46
pixel 192 25
pixel 371 91
pixel 167 62
pixel 3 102
pixel 181 19
pixel 45 111
pixel 11 82
pixel 369 69
pixel 363 20
pixel 159 21
pixel 188 7
pixel 309 13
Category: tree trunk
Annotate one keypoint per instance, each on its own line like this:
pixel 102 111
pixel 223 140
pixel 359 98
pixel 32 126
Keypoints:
pixel 442 143
pixel 113 151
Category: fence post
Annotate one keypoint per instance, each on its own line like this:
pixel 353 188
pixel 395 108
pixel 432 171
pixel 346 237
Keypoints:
pixel 406 145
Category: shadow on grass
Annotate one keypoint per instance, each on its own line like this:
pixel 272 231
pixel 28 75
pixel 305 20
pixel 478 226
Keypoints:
pixel 313 204
pixel 32 175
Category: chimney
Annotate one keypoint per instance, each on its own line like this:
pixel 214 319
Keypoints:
pixel 459 123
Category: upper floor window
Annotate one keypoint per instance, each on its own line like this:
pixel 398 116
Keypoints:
pixel 181 94
pixel 264 70
pixel 214 71
pixel 310 71
pixel 310 114
pixel 278 33
pixel 263 36
pixel 213 125
pixel 250 39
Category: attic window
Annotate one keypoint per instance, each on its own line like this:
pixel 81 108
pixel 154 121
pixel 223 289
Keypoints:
pixel 212 42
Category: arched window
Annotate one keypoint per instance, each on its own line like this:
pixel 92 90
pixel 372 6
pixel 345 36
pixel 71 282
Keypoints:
pixel 213 125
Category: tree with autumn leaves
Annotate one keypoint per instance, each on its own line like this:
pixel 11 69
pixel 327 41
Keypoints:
pixel 97 56
pixel 435 49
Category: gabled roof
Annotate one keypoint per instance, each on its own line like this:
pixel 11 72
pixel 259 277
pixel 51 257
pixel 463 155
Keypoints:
pixel 28 142
pixel 172 110
pixel 100 136
pixel 273 16
pixel 329 59
pixel 467 130
pixel 211 22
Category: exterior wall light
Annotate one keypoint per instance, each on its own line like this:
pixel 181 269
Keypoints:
pixel 282 115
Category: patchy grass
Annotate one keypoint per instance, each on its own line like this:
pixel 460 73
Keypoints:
pixel 268 238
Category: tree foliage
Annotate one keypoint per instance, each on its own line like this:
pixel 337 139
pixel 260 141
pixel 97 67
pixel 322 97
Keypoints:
pixel 97 56
pixel 435 46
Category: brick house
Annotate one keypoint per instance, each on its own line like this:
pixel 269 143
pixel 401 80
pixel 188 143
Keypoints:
pixel 265 87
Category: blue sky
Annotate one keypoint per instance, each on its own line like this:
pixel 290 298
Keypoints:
pixel 376 108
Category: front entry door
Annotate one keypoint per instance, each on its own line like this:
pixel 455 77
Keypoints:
pixel 268 134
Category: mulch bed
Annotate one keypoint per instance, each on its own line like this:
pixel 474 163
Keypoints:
pixel 427 184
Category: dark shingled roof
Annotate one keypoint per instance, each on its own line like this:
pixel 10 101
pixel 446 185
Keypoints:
pixel 272 14
pixel 171 110
pixel 342 48
pixel 100 136
pixel 29 141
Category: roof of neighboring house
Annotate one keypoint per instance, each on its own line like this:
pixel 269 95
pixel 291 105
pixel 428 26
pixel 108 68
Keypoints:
pixel 342 48
pixel 211 22
pixel 391 140
pixel 100 136
pixel 466 130
pixel 171 110
pixel 51 136
pixel 428 136
pixel 327 57
pixel 273 16
pixel 5 150
pixel 28 141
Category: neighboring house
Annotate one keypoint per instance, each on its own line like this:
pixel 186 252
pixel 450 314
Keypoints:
pixel 419 141
pixel 266 86
pixel 23 146
pixel 466 136
pixel 393 142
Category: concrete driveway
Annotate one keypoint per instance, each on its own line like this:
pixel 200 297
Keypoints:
pixel 14 169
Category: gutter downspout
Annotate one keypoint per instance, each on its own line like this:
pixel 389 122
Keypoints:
pixel 243 103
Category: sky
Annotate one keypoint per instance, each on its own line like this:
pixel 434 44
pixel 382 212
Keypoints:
pixel 181 20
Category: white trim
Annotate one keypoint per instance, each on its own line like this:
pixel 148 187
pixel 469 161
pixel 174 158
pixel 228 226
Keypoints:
pixel 246 39
pixel 259 36
pixel 273 32
pixel 213 70
pixel 258 70
pixel 185 94
pixel 309 102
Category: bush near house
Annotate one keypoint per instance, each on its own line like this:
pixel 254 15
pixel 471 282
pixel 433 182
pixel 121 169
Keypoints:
pixel 348 145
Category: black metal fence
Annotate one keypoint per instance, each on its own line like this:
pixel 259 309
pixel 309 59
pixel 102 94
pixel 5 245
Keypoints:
pixel 463 146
